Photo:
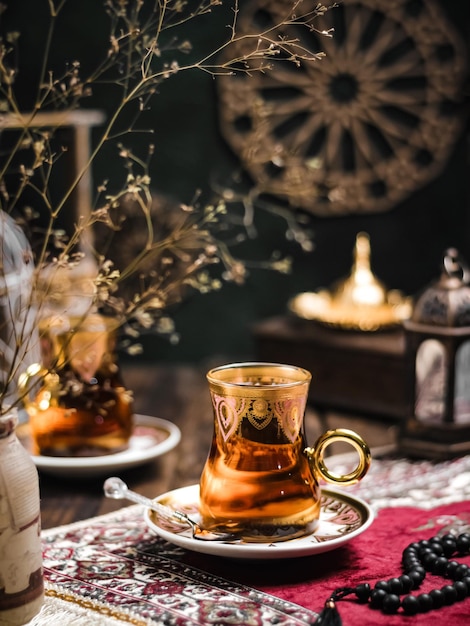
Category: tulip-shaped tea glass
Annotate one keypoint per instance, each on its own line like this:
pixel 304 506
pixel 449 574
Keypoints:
pixel 261 479
pixel 81 406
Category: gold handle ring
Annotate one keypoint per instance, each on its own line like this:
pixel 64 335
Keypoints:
pixel 316 456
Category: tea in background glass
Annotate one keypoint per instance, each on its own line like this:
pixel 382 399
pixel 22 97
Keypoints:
pixel 82 406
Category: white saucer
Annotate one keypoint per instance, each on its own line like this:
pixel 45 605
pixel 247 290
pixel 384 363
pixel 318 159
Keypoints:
pixel 342 518
pixel 151 438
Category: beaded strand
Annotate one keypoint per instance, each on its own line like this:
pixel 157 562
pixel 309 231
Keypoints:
pixel 429 555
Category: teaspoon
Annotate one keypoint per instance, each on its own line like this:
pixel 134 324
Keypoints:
pixel 117 489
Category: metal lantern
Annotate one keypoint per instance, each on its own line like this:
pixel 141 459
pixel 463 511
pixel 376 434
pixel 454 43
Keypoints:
pixel 437 339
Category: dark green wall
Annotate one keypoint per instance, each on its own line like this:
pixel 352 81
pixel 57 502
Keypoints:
pixel 407 242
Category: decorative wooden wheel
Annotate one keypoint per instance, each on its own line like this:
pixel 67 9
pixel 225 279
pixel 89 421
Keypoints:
pixel 364 127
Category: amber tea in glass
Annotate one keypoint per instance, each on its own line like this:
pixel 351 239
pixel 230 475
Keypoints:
pixel 260 477
pixel 82 406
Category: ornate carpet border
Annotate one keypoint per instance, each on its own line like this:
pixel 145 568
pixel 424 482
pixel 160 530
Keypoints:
pixel 112 565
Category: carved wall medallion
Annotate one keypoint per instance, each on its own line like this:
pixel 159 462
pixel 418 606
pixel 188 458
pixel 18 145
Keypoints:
pixel 364 127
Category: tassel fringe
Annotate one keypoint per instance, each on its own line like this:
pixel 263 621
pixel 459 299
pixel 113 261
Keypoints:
pixel 330 615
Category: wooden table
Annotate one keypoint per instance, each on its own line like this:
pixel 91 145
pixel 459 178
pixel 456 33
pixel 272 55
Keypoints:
pixel 180 395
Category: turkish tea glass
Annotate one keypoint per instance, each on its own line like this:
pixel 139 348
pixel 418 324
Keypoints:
pixel 82 406
pixel 261 478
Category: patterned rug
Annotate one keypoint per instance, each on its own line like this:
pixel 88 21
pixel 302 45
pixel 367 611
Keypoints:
pixel 112 571
pixel 114 567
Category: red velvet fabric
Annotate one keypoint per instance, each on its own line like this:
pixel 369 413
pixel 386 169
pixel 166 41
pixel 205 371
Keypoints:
pixel 374 555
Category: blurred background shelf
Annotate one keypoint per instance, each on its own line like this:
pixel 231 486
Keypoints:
pixel 352 371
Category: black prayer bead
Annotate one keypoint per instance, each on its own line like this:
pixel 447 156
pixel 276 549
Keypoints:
pixel 461 589
pixel 416 578
pixel 377 597
pixel 362 592
pixel 410 605
pixel 436 548
pixel 425 602
pixel 411 551
pixel 450 594
pixel 410 563
pixel 395 585
pixel 461 571
pixel 466 580
pixel 440 565
pixel 428 560
pixel 463 543
pixel 391 603
pixel 382 584
pixel 424 552
pixel 452 567
pixel 406 583
pixel 437 597
pixel 449 545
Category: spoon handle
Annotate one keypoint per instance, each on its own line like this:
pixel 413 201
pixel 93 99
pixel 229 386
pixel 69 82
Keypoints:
pixel 164 511
pixel 115 488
